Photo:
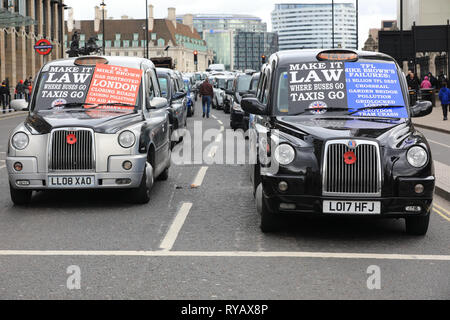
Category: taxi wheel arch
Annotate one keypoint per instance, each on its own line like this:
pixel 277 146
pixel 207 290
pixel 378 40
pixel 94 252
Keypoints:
pixel 20 197
pixel 417 226
pixel 270 222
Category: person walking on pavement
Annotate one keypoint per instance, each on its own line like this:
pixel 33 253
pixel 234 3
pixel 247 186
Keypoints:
pixel 207 93
pixel 426 84
pixel 4 96
pixel 413 82
pixel 20 90
pixel 444 96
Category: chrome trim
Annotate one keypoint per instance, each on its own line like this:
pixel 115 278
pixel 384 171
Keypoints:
pixel 363 171
pixel 50 151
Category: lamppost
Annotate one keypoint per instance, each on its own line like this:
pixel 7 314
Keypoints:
pixel 332 24
pixel 145 37
pixel 103 5
pixel 146 28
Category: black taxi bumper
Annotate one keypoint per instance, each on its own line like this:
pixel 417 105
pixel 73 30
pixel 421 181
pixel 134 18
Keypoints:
pixel 301 197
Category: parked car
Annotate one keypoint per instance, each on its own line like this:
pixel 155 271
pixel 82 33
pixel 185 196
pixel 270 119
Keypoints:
pixel 190 97
pixel 172 88
pixel 219 91
pixel 89 129
pixel 238 117
pixel 228 97
pixel 328 146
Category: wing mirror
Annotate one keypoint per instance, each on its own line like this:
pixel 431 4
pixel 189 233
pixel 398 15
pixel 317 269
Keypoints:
pixel 421 109
pixel 179 95
pixel 253 106
pixel 158 103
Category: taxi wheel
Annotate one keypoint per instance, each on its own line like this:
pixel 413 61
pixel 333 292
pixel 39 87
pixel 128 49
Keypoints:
pixel 141 195
pixel 417 226
pixel 269 221
pixel 20 197
pixel 164 175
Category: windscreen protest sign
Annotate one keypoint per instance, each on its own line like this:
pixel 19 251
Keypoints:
pixel 317 86
pixel 64 84
pixel 114 84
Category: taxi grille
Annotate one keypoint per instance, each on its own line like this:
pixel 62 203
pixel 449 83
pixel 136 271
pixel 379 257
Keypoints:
pixel 78 156
pixel 362 178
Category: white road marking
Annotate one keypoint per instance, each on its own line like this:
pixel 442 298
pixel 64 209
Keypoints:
pixel 214 116
pixel 175 228
pixel 2 164
pixel 439 143
pixel 212 152
pixel 200 176
pixel 243 254
pixel 222 128
pixel 220 122
pixel 219 138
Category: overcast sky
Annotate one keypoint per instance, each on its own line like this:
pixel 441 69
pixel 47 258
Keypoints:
pixel 371 12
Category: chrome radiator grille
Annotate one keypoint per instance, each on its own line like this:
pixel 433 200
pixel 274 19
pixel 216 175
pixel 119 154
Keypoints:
pixel 362 178
pixel 78 156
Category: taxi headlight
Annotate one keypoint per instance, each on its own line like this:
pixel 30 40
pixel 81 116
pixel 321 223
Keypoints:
pixel 20 140
pixel 417 156
pixel 237 107
pixel 127 139
pixel 284 154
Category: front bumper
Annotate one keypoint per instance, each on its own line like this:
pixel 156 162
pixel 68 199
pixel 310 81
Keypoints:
pixel 115 177
pixel 239 119
pixel 306 203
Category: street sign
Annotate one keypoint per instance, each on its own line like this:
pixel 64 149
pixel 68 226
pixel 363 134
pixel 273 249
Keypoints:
pixel 43 47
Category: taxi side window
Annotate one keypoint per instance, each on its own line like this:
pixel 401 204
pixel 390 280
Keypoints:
pixel 283 94
pixel 261 88
pixel 266 87
pixel 149 87
pixel 155 82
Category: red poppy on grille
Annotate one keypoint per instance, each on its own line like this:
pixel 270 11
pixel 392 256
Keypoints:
pixel 349 157
pixel 71 139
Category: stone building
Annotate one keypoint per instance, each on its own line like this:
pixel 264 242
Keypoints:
pixel 126 37
pixel 22 24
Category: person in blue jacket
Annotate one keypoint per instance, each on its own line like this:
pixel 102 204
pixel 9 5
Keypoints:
pixel 444 96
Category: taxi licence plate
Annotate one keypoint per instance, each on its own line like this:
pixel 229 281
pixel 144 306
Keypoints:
pixel 71 181
pixel 352 207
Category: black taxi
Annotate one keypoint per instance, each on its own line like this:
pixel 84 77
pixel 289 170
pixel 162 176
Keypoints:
pixel 332 134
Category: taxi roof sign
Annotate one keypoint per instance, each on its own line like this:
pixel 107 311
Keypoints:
pixel 90 61
pixel 337 55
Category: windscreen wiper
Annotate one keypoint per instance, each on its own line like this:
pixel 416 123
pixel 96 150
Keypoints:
pixel 71 105
pixel 318 109
pixel 116 104
pixel 374 108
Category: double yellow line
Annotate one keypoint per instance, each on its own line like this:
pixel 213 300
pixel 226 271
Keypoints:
pixel 442 212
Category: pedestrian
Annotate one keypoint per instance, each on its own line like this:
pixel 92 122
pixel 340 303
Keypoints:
pixel 426 84
pixel 444 96
pixel 20 90
pixel 433 80
pixel 207 93
pixel 4 96
pixel 413 82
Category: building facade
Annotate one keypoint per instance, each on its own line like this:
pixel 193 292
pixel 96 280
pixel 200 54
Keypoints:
pixel 423 12
pixel 126 37
pixel 219 31
pixel 249 47
pixel 371 44
pixel 208 22
pixel 309 26
pixel 23 23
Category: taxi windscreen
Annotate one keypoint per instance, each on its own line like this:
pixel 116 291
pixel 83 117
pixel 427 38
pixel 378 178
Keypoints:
pixel 319 87
pixel 101 86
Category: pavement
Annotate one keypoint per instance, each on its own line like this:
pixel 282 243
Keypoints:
pixel 434 121
pixel 199 239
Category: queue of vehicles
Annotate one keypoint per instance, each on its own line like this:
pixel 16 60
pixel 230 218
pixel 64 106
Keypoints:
pixel 319 151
